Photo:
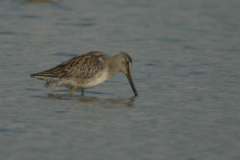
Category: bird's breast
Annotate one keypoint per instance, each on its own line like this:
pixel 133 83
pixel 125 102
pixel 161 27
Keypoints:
pixel 96 80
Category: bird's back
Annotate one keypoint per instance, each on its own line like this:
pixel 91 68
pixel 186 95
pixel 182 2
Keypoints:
pixel 80 67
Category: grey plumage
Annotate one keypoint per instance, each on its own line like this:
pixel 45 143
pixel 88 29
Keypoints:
pixel 86 71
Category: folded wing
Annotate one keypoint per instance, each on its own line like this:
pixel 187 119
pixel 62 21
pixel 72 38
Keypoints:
pixel 83 66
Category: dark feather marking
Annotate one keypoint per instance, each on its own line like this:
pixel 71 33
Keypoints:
pixel 83 66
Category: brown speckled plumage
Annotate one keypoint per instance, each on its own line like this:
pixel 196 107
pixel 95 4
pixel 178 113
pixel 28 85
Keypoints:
pixel 86 71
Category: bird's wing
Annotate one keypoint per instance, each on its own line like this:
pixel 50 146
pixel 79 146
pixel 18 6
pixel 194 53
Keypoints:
pixel 83 66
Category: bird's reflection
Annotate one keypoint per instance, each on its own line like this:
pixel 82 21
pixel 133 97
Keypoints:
pixel 105 102
pixel 91 108
pixel 40 1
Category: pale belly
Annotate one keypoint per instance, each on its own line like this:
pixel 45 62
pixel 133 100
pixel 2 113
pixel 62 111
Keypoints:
pixel 89 83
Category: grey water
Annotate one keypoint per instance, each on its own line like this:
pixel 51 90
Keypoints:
pixel 185 68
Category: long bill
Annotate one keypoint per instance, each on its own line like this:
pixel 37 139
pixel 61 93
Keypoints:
pixel 128 74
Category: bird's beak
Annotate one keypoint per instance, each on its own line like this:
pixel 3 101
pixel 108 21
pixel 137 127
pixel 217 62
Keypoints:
pixel 128 74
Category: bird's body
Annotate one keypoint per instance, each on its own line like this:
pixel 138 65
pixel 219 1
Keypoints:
pixel 87 71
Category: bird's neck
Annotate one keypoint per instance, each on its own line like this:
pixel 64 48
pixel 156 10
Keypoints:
pixel 114 65
pixel 116 61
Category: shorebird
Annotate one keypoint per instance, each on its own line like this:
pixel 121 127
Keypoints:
pixel 87 71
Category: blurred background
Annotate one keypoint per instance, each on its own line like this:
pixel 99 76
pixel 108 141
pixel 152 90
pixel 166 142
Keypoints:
pixel 185 68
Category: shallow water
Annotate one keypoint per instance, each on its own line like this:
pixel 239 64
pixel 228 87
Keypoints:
pixel 185 69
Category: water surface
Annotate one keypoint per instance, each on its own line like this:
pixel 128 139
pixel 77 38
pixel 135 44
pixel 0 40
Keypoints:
pixel 185 69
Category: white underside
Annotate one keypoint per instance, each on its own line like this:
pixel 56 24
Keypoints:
pixel 92 82
pixel 95 81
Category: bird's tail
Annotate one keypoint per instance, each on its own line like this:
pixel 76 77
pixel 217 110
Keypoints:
pixel 45 77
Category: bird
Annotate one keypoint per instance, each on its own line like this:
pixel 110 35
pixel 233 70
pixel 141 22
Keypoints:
pixel 87 71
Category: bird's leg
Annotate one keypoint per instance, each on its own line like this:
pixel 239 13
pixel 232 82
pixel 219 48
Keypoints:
pixel 71 92
pixel 82 92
